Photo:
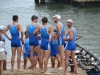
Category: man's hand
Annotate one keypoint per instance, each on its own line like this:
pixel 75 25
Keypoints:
pixel 9 39
pixel 64 39
pixel 24 51
pixel 22 41
pixel 34 33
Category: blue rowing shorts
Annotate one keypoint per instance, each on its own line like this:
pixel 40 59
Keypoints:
pixel 15 43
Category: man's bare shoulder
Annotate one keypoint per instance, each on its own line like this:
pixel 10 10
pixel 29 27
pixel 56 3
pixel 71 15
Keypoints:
pixel 18 24
pixel 8 25
pixel 70 30
pixel 37 24
pixel 49 26
pixel 58 24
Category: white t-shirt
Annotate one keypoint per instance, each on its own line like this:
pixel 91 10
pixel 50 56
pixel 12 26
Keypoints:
pixel 2 46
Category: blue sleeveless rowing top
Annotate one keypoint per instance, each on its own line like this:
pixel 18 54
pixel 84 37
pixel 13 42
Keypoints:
pixel 62 30
pixel 44 32
pixel 74 35
pixel 71 45
pixel 33 41
pixel 26 46
pixel 31 29
pixel 14 31
pixel 3 38
pixel 54 46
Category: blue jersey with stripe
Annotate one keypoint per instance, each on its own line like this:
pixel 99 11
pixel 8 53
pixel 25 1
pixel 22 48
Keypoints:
pixel 62 30
pixel 15 40
pixel 60 39
pixel 71 45
pixel 33 41
pixel 44 38
pixel 26 46
pixel 31 29
pixel 44 32
pixel 3 38
pixel 14 31
pixel 54 46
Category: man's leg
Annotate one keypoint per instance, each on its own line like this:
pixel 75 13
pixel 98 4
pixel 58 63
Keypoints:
pixel 25 62
pixel 30 67
pixel 1 67
pixel 74 60
pixel 42 57
pixel 67 54
pixel 61 53
pixel 53 61
pixel 47 55
pixel 4 64
pixel 19 50
pixel 39 57
pixel 12 58
pixel 58 59
pixel 31 55
pixel 35 62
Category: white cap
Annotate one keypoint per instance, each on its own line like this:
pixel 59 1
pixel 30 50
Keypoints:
pixel 70 20
pixel 2 27
pixel 57 16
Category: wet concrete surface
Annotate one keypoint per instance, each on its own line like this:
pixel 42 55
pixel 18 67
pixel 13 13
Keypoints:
pixel 54 71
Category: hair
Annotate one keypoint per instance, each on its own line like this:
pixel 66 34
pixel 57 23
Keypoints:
pixel 34 17
pixel 25 32
pixel 55 30
pixel 15 17
pixel 44 19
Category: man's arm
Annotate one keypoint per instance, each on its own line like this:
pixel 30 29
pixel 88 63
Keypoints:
pixel 59 30
pixel 50 31
pixel 37 29
pixel 21 31
pixel 5 30
pixel 70 33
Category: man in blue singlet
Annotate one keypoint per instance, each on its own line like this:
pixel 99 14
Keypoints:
pixel 33 28
pixel 60 36
pixel 70 46
pixel 54 50
pixel 26 49
pixel 15 30
pixel 26 52
pixel 45 31
pixel 35 58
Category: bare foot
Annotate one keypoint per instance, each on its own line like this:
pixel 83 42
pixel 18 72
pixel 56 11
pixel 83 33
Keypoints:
pixel 12 70
pixel 47 73
pixel 20 70
pixel 77 72
pixel 64 73
pixel 41 70
pixel 24 67
pixel 34 69
pixel 60 68
pixel 30 67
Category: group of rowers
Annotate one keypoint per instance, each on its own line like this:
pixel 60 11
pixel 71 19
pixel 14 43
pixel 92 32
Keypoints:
pixel 40 43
